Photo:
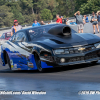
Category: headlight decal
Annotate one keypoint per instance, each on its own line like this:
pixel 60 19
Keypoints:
pixel 59 51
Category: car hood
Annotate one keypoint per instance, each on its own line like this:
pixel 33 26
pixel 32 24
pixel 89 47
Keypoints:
pixel 75 40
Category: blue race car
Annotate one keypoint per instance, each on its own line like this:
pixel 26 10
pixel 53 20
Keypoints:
pixel 49 46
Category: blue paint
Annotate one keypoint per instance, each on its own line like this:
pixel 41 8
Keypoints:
pixel 21 61
pixel 44 65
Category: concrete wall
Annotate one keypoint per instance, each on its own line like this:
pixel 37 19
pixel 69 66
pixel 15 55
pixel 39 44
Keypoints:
pixel 88 28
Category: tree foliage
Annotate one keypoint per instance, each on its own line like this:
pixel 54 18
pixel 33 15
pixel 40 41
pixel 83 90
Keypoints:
pixel 6 16
pixel 46 14
pixel 26 11
pixel 90 6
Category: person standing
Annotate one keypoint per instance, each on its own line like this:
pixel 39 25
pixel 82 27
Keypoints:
pixel 86 19
pixel 79 21
pixel 42 23
pixel 59 20
pixel 94 22
pixel 68 21
pixel 63 20
pixel 35 24
pixel 98 17
pixel 16 27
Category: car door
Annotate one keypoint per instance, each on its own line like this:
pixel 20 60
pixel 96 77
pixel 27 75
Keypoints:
pixel 18 51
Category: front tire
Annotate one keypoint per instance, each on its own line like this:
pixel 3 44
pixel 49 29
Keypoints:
pixel 94 62
pixel 8 61
pixel 38 63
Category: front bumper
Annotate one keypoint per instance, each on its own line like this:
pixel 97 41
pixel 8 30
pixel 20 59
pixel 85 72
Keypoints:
pixel 72 59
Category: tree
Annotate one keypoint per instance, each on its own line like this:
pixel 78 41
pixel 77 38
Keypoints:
pixel 30 18
pixel 2 2
pixel 6 16
pixel 52 4
pixel 46 15
pixel 66 7
pixel 27 4
pixel 90 6
pixel 16 10
pixel 78 4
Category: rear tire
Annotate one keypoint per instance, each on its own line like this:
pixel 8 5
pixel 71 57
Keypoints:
pixel 38 63
pixel 8 61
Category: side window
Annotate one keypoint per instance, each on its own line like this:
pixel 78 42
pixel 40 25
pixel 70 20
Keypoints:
pixel 20 36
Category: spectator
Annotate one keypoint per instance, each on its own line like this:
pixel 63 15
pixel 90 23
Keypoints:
pixel 35 24
pixel 94 22
pixel 79 21
pixel 48 22
pixel 59 20
pixel 42 22
pixel 68 21
pixel 63 20
pixel 98 16
pixel 86 19
pixel 16 27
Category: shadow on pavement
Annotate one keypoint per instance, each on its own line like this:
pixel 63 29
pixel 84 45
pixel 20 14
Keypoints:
pixel 52 70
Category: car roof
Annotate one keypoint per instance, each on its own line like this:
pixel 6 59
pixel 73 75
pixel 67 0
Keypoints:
pixel 41 26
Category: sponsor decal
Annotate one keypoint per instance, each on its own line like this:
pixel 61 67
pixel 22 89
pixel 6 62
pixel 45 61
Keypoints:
pixel 19 68
pixel 11 62
pixel 12 66
pixel 15 65
pixel 30 31
pixel 30 64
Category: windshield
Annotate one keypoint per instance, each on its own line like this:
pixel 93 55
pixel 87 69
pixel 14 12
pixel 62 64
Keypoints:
pixel 37 32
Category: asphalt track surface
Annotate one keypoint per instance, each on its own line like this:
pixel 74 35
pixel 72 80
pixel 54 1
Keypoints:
pixel 58 83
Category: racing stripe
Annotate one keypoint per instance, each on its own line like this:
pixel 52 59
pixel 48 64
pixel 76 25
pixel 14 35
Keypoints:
pixel 32 45
pixel 10 44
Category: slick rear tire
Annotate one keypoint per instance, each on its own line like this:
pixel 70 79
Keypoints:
pixel 8 60
pixel 38 63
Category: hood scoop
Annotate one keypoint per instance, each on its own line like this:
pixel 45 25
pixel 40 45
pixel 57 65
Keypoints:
pixel 62 30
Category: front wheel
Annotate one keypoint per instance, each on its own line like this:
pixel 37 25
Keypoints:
pixel 94 62
pixel 38 63
pixel 8 61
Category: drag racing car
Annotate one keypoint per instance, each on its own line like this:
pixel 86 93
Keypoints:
pixel 49 46
pixel 5 37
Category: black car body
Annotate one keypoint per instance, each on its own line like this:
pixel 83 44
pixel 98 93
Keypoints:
pixel 48 46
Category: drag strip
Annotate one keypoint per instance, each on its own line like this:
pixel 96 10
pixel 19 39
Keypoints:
pixel 59 83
